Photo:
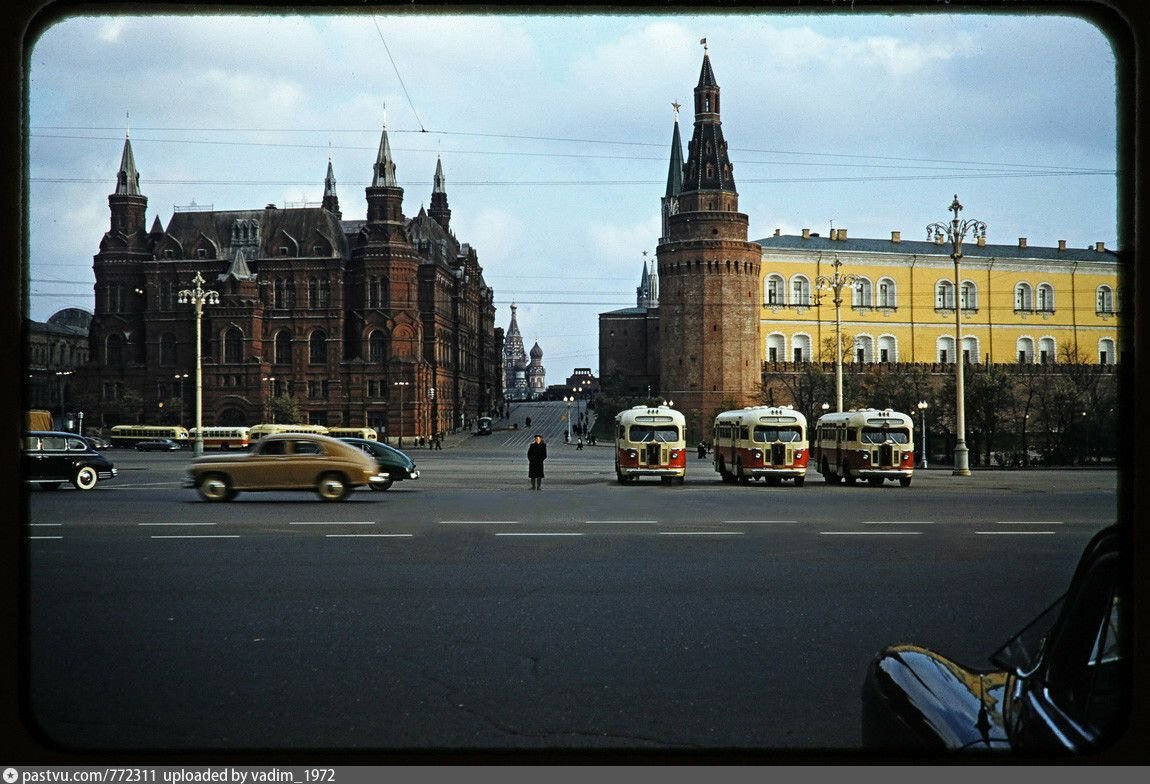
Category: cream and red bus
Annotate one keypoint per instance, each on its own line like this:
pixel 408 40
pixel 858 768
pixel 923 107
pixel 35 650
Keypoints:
pixel 761 442
pixel 130 435
pixel 256 432
pixel 866 443
pixel 650 441
pixel 224 437
pixel 369 433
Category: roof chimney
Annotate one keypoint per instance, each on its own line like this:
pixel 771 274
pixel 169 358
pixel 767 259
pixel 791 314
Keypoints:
pixel 1062 244
pixel 842 235
pixel 778 232
pixel 806 234
pixel 1022 242
pixel 896 236
pixel 1100 247
pixel 982 240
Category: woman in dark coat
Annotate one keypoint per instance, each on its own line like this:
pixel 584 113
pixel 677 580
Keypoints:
pixel 536 454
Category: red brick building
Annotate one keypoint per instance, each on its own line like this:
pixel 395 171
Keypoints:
pixel 345 316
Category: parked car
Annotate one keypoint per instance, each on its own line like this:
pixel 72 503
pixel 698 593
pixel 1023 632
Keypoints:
pixel 1059 686
pixel 158 445
pixel 393 463
pixel 99 443
pixel 51 458
pixel 285 461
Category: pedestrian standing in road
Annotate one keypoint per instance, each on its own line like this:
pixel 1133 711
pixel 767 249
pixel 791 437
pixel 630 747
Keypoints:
pixel 536 454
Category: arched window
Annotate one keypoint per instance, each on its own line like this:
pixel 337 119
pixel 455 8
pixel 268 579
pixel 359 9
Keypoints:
pixel 800 291
pixel 1105 300
pixel 887 294
pixel 1045 298
pixel 863 294
pixel 1046 355
pixel 968 296
pixel 887 348
pixel 776 347
pixel 377 346
pixel 864 348
pixel 774 293
pixel 317 347
pixel 944 295
pixel 283 347
pixel 233 346
pixel 1024 347
pixel 114 351
pixel 1023 297
pixel 167 349
pixel 801 348
pixel 944 348
pixel 1106 351
pixel 970 350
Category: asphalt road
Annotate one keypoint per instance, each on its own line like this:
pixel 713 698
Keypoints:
pixel 464 611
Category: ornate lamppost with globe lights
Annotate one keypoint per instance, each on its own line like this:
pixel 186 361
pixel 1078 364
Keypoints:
pixel 835 283
pixel 198 298
pixel 955 232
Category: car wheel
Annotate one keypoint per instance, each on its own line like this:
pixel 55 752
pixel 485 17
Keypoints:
pixel 85 478
pixel 332 487
pixel 215 487
pixel 384 485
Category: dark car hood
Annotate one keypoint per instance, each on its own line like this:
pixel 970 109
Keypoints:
pixel 941 703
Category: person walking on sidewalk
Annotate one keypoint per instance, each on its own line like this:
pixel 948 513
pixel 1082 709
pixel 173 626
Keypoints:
pixel 536 454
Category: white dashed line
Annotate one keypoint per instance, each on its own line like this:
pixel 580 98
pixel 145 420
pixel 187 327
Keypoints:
pixel 479 522
pixel 870 533
pixel 1015 533
pixel 700 533
pixel 333 522
pixel 367 536
pixel 542 533
pixel 197 536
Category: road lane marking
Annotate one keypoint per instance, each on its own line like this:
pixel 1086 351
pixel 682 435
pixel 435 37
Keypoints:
pixel 760 522
pixel 334 522
pixel 479 522
pixel 870 533
pixel 196 536
pixel 45 525
pixel 366 536
pixel 45 537
pixel 700 533
pixel 173 524
pixel 1024 522
pixel 898 522
pixel 1015 533
pixel 539 533
pixel 622 522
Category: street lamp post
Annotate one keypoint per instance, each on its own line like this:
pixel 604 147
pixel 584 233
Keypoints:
pixel 60 374
pixel 835 284
pixel 955 231
pixel 922 407
pixel 198 297
pixel 568 400
pixel 401 385
pixel 271 380
pixel 180 394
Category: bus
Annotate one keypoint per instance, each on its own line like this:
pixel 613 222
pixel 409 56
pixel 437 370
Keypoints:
pixel 224 437
pixel 761 442
pixel 483 426
pixel 256 432
pixel 130 435
pixel 866 443
pixel 370 433
pixel 650 441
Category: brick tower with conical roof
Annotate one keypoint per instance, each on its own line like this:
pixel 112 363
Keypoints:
pixel 709 280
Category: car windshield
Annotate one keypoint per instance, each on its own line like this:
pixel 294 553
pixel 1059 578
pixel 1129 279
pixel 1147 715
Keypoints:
pixel 665 434
pixel 768 435
pixel 880 435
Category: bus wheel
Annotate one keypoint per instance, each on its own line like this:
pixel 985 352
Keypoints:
pixel 799 481
pixel 847 475
pixel 681 479
pixel 743 478
pixel 829 476
pixel 904 481
pixel 875 481
pixel 773 481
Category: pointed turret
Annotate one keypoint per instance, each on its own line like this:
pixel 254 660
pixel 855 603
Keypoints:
pixel 708 168
pixel 127 204
pixel 384 196
pixel 670 202
pixel 439 209
pixel 128 179
pixel 330 199
pixel 384 170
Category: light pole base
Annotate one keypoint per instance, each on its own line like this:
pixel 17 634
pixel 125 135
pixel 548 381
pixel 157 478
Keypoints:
pixel 961 460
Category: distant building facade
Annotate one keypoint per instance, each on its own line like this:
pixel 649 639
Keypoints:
pixel 56 349
pixel 515 361
pixel 349 317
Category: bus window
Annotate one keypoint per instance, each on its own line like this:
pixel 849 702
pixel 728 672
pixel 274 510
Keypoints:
pixel 768 435
pixel 880 435
pixel 645 434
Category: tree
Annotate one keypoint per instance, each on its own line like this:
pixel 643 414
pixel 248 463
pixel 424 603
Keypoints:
pixel 285 408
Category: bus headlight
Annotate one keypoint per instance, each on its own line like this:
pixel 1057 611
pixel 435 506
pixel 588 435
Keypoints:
pixel 757 454
pixel 631 453
pixel 674 453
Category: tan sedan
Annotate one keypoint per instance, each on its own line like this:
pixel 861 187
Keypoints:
pixel 289 461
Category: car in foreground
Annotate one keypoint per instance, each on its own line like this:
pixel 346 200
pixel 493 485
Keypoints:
pixel 286 461
pixel 158 445
pixel 396 465
pixel 51 458
pixel 1059 686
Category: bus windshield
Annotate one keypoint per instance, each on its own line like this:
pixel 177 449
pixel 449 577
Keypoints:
pixel 664 434
pixel 767 435
pixel 880 435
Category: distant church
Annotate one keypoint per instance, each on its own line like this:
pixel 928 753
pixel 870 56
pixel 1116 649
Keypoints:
pixel 523 375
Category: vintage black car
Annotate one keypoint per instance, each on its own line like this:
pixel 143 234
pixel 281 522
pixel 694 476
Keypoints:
pixel 393 464
pixel 158 445
pixel 1060 686
pixel 51 458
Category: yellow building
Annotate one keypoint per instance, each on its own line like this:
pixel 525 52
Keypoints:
pixel 1020 303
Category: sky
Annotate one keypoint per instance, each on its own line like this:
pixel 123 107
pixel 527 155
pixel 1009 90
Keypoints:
pixel 554 132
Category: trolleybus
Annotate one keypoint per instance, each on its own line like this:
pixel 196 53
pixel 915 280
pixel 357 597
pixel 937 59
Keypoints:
pixel 650 441
pixel 867 443
pixel 256 432
pixel 370 433
pixel 130 435
pixel 224 437
pixel 761 442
